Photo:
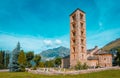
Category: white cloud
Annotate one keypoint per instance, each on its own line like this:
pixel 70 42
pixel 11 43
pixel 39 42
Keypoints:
pixel 102 38
pixel 48 42
pixel 31 43
pixel 38 44
pixel 58 42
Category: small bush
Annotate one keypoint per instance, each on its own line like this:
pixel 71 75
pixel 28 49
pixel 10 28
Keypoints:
pixel 41 64
pixel 80 66
pixel 21 68
pixel 34 68
pixel 97 66
pixel 29 65
pixel 85 66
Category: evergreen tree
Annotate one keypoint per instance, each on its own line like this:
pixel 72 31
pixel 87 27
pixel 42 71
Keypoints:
pixel 7 57
pixel 14 66
pixel 22 60
pixel 1 59
pixel 4 59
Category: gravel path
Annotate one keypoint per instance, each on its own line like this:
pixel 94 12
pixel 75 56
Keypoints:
pixel 4 70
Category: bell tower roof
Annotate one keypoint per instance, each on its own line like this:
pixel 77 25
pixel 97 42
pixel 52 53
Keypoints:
pixel 76 10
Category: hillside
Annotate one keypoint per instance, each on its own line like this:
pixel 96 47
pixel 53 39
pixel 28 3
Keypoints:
pixel 55 52
pixel 112 45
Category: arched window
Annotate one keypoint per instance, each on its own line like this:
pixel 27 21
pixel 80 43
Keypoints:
pixel 81 16
pixel 82 56
pixel 82 49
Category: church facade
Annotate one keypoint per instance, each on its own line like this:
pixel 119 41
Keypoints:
pixel 78 50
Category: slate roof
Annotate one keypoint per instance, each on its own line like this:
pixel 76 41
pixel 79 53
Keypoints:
pixel 66 57
pixel 76 10
pixel 101 52
pixel 92 58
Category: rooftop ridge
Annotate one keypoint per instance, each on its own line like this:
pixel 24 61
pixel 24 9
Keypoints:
pixel 76 10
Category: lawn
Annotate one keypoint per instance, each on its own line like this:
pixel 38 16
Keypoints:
pixel 102 74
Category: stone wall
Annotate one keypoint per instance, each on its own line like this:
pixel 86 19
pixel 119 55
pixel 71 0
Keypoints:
pixel 92 63
pixel 52 71
pixel 65 62
pixel 105 60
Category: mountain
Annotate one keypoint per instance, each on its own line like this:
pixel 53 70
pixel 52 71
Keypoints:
pixel 55 52
pixel 112 45
pixel 62 51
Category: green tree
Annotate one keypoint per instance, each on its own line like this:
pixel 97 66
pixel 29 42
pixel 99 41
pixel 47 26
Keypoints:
pixel 118 56
pixel 29 57
pixel 49 63
pixel 14 65
pixel 1 59
pixel 7 59
pixel 41 64
pixel 37 59
pixel 4 59
pixel 58 62
pixel 22 58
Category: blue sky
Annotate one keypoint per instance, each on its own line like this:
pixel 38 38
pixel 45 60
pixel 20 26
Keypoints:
pixel 43 24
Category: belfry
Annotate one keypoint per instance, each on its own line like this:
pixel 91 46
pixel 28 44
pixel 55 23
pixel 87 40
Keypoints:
pixel 77 37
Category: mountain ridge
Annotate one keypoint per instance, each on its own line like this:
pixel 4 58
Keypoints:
pixel 112 45
pixel 63 51
pixel 55 52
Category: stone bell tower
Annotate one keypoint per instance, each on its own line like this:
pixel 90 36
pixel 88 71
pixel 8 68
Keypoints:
pixel 77 38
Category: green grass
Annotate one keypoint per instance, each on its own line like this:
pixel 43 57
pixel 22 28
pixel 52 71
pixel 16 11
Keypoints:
pixel 102 74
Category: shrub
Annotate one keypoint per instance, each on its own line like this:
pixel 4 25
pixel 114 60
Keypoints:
pixel 80 66
pixel 97 66
pixel 34 68
pixel 85 66
pixel 22 68
pixel 41 64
